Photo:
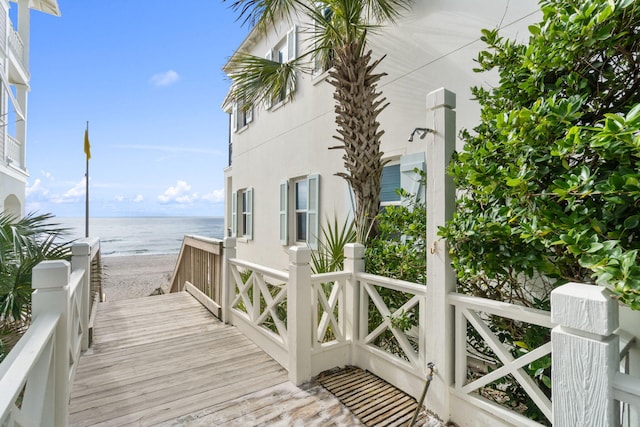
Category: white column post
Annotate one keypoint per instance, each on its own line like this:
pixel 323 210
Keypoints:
pixel 81 260
pixel 50 281
pixel 21 125
pixel 228 252
pixel 441 280
pixel 585 356
pixel 353 263
pixel 299 314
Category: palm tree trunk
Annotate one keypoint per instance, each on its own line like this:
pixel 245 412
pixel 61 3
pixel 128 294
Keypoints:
pixel 358 105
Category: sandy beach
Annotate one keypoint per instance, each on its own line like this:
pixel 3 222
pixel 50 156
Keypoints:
pixel 136 276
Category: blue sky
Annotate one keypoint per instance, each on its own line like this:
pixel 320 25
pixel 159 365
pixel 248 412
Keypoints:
pixel 147 76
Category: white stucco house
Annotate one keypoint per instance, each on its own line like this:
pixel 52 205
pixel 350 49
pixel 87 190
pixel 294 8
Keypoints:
pixel 280 184
pixel 14 88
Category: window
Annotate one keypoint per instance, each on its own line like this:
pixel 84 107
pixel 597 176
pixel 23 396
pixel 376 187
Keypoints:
pixel 242 115
pixel 242 213
pixel 402 174
pixel 304 194
pixel 284 51
pixel 323 61
pixel 301 197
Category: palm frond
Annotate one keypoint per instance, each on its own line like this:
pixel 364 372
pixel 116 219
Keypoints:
pixel 257 79
pixel 262 14
pixel 387 10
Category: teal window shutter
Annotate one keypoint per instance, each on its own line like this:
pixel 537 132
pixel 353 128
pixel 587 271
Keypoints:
pixel 313 211
pixel 284 213
pixel 389 183
pixel 248 232
pixel 234 214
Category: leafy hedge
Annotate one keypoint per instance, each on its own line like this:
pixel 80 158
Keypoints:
pixel 550 179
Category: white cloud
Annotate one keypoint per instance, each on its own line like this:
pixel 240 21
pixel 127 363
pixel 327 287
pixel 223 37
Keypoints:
pixel 36 188
pixel 215 196
pixel 164 79
pixel 73 194
pixel 178 194
pixel 119 198
pixel 139 198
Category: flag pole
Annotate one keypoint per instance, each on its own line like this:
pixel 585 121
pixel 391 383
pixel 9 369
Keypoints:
pixel 88 155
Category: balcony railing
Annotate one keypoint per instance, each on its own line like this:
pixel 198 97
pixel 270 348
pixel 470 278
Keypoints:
pixel 16 45
pixel 14 152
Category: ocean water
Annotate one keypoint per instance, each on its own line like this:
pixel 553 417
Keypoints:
pixel 126 236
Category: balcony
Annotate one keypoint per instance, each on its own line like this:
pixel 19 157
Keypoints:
pixel 19 66
pixel 13 152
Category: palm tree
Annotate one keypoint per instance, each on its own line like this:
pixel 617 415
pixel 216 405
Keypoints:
pixel 24 242
pixel 339 39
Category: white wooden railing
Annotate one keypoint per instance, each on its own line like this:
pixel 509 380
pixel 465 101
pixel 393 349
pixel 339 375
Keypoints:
pixel 36 375
pixel 253 297
pixel 14 152
pixel 477 313
pixel 16 45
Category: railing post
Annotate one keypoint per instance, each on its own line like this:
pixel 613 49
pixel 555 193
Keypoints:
pixel 585 355
pixel 50 281
pixel 353 263
pixel 299 314
pixel 441 280
pixel 228 252
pixel 81 259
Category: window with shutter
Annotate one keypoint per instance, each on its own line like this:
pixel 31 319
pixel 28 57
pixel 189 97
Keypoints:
pixel 242 213
pixel 305 202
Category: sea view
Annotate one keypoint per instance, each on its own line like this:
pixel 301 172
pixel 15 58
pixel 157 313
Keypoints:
pixel 126 236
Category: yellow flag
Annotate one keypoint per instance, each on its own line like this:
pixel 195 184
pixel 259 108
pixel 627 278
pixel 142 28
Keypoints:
pixel 87 146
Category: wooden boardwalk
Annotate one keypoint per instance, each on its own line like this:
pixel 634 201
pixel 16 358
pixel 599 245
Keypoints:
pixel 165 360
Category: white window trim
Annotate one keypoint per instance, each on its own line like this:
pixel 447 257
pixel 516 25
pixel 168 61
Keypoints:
pixel 410 181
pixel 248 116
pixel 290 41
pixel 313 211
pixel 237 215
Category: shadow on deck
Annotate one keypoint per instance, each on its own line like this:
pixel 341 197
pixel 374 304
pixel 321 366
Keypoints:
pixel 165 360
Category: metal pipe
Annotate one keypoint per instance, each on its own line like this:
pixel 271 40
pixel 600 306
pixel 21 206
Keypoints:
pixel 431 366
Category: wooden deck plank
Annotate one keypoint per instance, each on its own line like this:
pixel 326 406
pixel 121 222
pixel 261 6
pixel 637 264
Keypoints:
pixel 165 359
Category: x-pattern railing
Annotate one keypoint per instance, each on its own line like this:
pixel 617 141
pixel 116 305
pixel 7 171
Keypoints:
pixel 406 338
pixel 468 311
pixel 259 295
pixel 328 310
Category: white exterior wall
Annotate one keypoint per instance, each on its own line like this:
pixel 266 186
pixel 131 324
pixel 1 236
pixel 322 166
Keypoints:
pixel 433 46
pixel 12 179
pixel 15 69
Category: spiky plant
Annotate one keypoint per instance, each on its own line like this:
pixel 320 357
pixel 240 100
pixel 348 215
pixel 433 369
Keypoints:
pixel 24 242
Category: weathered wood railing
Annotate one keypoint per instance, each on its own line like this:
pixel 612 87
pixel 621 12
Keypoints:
pixel 199 271
pixel 35 376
